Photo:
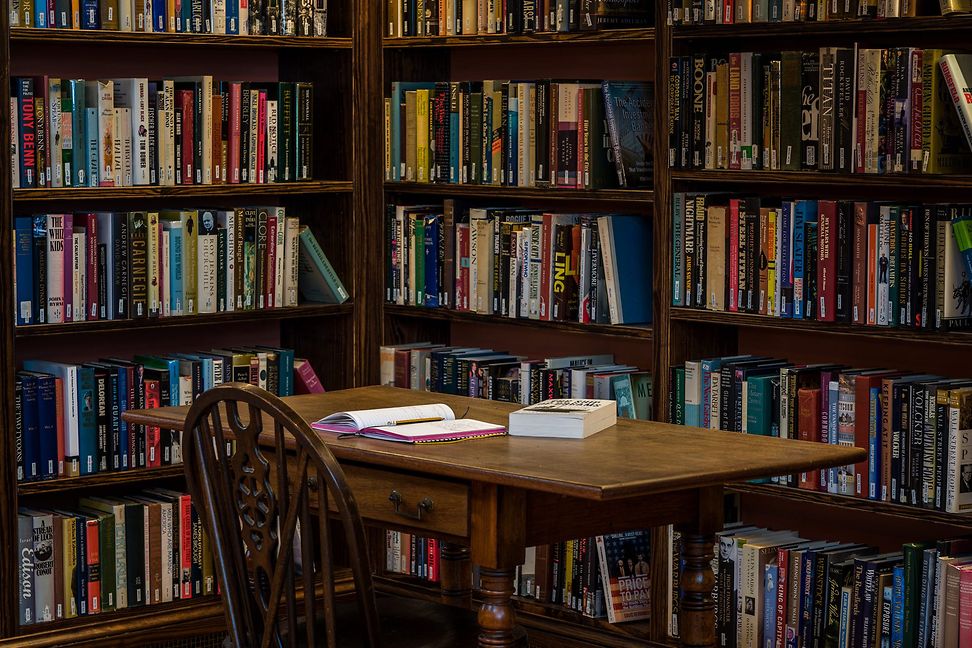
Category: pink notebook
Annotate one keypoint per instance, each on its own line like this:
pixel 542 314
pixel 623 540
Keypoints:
pixel 435 423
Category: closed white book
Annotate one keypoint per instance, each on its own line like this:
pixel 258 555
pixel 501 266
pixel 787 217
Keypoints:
pixel 207 245
pixel 100 96
pixel 125 16
pixel 219 17
pixel 957 71
pixel 55 268
pixel 133 94
pixel 564 418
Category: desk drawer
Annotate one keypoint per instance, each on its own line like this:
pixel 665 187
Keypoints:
pixel 443 505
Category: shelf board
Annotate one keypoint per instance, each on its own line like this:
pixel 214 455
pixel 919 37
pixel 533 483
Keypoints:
pixel 446 314
pixel 232 317
pixel 630 196
pixel 904 26
pixel 184 191
pixel 822 180
pixel 536 616
pixel 612 36
pixel 107 37
pixel 68 484
pixel 960 338
pixel 856 503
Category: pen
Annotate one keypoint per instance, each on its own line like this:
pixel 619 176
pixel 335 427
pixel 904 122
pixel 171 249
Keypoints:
pixel 418 420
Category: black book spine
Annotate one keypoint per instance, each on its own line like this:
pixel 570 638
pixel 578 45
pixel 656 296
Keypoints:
pixel 153 133
pixel 305 131
pixel 120 274
pixel 844 261
pixel 19 428
pixel 473 140
pixel 698 111
pixel 530 21
pixel 40 136
pixel 674 112
pixel 177 112
pixel 274 26
pixel 506 138
pixel 114 421
pixel 843 134
pixel 542 121
pixel 465 97
pixel 514 16
pixel 685 110
pixel 245 133
pixel 929 260
pixel 285 130
pixel 135 554
pixel 904 267
pixel 916 456
pixel 40 269
pixel 221 252
pixel 726 374
pixel 138 265
pixel 198 117
pixel 810 97
pixel 700 250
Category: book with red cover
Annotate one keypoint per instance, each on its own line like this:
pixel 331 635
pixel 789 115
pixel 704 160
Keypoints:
pixel 153 436
pixel 859 282
pixel 827 261
pixel 306 380
pixel 863 383
pixel 808 428
pixel 186 104
pixel 93 561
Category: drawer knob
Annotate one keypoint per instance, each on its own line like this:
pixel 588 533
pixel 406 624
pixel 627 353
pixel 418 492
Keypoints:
pixel 424 507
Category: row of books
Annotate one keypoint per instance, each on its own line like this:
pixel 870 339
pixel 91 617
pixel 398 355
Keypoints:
pixel 520 134
pixel 470 17
pixel 914 426
pixel 599 576
pixel 775 588
pixel 103 554
pixel 501 376
pixel 728 12
pixel 69 416
pixel 139 132
pixel 839 109
pixel 235 17
pixel 412 555
pixel 520 263
pixel 132 265
pixel 867 263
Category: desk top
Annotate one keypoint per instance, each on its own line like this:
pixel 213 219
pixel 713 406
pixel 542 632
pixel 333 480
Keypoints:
pixel 629 459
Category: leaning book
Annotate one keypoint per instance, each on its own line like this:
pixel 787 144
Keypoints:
pixel 624 559
pixel 434 423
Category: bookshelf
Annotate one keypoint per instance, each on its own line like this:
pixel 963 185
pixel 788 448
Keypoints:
pixel 325 334
pixel 684 334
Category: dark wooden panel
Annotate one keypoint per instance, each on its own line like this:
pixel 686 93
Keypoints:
pixel 628 196
pixel 254 191
pixel 644 35
pixel 127 478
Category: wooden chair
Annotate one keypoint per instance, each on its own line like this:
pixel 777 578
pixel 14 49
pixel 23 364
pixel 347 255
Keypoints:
pixel 253 497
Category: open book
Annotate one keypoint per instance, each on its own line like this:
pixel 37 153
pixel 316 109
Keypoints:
pixel 409 424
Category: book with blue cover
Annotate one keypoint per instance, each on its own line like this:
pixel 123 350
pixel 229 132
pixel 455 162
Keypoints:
pixel 627 250
pixel 628 106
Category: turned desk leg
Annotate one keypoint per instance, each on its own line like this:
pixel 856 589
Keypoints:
pixel 456 574
pixel 697 614
pixel 496 617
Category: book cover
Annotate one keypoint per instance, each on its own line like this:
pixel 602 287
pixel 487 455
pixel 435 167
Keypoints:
pixel 624 562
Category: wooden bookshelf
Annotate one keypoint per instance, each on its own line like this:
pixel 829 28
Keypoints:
pixel 637 197
pixel 199 192
pixel 924 26
pixel 111 38
pixel 326 335
pixel 822 182
pixel 607 36
pixel 232 317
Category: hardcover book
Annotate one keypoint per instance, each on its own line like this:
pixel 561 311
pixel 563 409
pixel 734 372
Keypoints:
pixel 629 110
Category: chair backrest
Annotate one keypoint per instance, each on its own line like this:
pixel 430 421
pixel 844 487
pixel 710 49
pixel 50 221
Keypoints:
pixel 255 469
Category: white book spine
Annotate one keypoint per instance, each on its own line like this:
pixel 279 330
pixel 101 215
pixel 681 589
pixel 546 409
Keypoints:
pixel 55 268
pixel 244 17
pixel 79 273
pixel 125 17
pixel 206 247
pixel 140 134
pixel 279 244
pixel 106 135
pixel 167 285
pixel 121 570
pixel 167 145
pixel 610 270
pixel 167 539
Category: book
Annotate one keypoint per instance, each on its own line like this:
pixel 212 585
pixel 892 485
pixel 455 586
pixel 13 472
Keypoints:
pixel 623 559
pixel 629 112
pixel 564 418
pixel 408 424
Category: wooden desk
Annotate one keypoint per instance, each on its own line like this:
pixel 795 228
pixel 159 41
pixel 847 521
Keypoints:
pixel 499 495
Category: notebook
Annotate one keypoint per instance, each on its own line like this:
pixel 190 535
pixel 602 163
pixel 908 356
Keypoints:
pixel 410 424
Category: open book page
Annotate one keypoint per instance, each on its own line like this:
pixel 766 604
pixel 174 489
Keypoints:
pixel 358 420
pixel 437 429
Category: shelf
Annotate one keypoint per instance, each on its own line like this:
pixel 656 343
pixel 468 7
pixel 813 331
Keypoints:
pixel 630 196
pixel 184 191
pixel 856 503
pixel 107 37
pixel 959 338
pixel 128 477
pixel 904 26
pixel 824 180
pixel 232 317
pixel 534 616
pixel 607 36
pixel 445 314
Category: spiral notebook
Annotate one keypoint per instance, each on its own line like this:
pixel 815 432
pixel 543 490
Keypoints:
pixel 435 423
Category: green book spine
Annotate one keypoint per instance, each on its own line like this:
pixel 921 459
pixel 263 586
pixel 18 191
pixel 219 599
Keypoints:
pixel 912 584
pixel 678 398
